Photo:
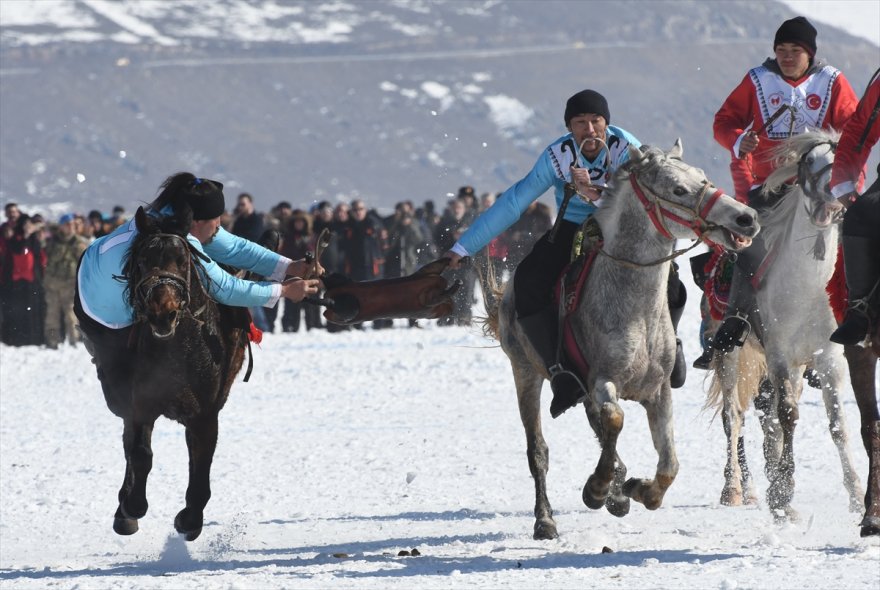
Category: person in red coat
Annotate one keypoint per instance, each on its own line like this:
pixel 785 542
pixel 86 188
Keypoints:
pixel 861 224
pixel 784 96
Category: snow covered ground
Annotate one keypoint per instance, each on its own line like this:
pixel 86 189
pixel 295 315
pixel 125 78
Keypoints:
pixel 345 449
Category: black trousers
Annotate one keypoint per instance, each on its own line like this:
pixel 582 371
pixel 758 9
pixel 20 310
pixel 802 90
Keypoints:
pixel 863 217
pixel 535 277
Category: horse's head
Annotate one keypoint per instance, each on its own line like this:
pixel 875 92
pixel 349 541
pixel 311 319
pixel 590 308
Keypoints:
pixel 682 203
pixel 808 157
pixel 159 272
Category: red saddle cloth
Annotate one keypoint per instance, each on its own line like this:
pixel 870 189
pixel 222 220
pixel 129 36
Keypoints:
pixel 568 291
pixel 719 270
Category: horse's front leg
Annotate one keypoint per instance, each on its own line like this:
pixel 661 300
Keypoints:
pixel 137 443
pixel 528 394
pixel 832 377
pixel 650 492
pixel 606 418
pixel 780 468
pixel 201 440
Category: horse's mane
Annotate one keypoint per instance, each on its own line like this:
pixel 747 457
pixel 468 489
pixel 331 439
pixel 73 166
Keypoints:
pixel 787 155
pixel 619 180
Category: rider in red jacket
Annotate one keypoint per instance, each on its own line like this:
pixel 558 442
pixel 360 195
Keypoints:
pixel 861 237
pixel 782 97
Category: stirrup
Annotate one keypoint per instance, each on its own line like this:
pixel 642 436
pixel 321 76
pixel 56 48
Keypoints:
pixel 568 390
pixel 728 336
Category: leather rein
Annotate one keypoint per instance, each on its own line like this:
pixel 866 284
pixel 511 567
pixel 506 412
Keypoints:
pixel 694 218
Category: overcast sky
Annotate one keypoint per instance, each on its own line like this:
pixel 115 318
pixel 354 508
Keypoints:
pixel 859 17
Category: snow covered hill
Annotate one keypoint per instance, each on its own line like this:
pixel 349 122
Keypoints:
pixel 100 101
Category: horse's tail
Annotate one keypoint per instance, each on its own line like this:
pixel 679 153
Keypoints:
pixel 750 371
pixel 492 292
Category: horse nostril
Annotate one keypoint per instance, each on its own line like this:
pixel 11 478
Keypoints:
pixel 745 220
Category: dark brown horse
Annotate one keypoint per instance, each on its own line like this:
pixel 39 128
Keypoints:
pixel 177 360
pixel 862 372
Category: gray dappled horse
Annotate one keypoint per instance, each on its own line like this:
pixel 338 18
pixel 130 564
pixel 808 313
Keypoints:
pixel 797 319
pixel 622 323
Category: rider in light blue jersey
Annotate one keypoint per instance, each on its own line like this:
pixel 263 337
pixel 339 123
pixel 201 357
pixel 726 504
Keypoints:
pixel 101 295
pixel 587 156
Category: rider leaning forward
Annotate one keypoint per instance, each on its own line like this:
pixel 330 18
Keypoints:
pixel 861 224
pixel 805 93
pixel 101 305
pixel 588 155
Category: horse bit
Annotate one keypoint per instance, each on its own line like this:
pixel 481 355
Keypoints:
pixel 156 277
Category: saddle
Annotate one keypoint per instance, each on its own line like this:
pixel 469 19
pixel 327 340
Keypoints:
pixel 569 290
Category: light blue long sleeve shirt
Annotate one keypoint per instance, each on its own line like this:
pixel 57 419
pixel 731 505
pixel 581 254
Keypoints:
pixel 551 170
pixel 103 296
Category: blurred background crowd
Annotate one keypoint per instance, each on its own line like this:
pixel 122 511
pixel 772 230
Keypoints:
pixel 38 257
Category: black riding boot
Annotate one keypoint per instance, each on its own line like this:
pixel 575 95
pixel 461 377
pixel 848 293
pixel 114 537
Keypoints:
pixel 861 277
pixel 735 328
pixel 677 299
pixel 542 330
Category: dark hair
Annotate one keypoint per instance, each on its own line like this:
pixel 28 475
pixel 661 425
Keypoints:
pixel 182 190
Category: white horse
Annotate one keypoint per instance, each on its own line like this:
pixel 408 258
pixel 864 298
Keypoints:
pixel 622 323
pixel 796 319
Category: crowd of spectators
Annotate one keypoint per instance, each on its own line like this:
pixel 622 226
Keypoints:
pixel 38 259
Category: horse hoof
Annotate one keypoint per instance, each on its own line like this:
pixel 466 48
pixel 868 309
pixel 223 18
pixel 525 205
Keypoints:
pixel 617 505
pixel 785 515
pixel 592 497
pixel 188 525
pixel 545 530
pixel 125 526
pixel 870 526
pixel 731 498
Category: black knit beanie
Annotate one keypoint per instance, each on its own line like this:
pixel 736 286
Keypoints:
pixel 586 101
pixel 799 31
pixel 205 198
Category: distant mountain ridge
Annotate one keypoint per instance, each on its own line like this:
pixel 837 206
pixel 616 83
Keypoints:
pixel 100 101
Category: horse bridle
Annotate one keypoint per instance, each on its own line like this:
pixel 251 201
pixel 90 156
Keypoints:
pixel 808 181
pixel 696 218
pixel 156 277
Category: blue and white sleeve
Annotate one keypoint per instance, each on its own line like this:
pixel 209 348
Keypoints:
pixel 507 208
pixel 235 251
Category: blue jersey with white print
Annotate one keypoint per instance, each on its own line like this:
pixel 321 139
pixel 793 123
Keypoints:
pixel 102 292
pixel 551 170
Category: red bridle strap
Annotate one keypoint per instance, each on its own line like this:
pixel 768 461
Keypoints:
pixel 656 213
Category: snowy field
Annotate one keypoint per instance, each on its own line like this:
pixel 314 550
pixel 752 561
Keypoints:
pixel 345 449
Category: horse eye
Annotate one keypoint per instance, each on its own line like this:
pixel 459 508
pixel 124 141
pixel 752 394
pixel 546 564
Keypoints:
pixel 680 191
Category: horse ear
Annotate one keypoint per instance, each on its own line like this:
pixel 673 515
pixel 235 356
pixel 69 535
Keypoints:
pixel 635 154
pixel 677 149
pixel 141 219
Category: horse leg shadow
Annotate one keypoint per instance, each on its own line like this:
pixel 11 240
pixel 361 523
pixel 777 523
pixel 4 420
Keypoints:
pixel 201 441
pixel 650 492
pixel 133 505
